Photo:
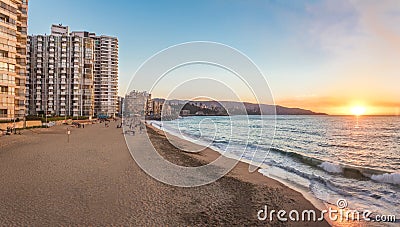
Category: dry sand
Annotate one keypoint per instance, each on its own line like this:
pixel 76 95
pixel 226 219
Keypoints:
pixel 93 180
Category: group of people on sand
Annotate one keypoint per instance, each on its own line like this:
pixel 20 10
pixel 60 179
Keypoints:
pixel 132 125
pixel 10 130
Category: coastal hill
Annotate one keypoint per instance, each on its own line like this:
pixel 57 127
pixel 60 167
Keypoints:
pixel 222 108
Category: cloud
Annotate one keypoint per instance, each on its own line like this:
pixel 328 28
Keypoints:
pixel 381 19
pixel 312 101
pixel 348 28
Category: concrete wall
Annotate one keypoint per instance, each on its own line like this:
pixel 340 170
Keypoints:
pixel 3 126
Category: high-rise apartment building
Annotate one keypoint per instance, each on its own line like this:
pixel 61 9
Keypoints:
pixel 13 35
pixel 106 75
pixel 60 74
pixel 73 74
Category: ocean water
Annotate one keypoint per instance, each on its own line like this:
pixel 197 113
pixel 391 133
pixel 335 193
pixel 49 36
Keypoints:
pixel 332 157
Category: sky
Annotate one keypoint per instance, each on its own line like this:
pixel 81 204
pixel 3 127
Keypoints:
pixel 326 56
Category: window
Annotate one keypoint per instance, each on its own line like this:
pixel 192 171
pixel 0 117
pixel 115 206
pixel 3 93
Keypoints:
pixel 3 54
pixel 3 89
pixel 3 66
pixel 11 68
pixel 7 67
pixel 3 112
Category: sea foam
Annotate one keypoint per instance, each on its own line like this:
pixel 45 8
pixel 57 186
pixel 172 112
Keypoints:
pixel 391 178
pixel 331 167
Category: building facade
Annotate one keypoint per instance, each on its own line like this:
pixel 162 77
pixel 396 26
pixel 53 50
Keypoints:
pixel 136 103
pixel 13 36
pixel 106 75
pixel 120 105
pixel 60 74
pixel 72 74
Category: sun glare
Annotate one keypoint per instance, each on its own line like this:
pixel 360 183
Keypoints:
pixel 358 110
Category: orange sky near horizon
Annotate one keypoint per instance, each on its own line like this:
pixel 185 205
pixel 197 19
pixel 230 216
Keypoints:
pixel 343 107
pixel 339 105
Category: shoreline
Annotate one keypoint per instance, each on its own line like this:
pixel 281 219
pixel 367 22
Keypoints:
pixel 213 154
pixel 241 171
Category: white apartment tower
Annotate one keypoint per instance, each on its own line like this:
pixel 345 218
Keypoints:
pixel 13 35
pixel 60 74
pixel 72 74
pixel 105 75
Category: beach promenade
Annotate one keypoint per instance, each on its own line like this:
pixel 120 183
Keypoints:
pixel 93 180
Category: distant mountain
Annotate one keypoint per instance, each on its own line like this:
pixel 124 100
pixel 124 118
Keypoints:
pixel 233 108
pixel 281 110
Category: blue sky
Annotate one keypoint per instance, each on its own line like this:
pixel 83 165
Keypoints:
pixel 311 52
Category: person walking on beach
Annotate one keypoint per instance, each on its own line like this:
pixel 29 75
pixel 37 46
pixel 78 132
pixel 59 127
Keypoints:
pixel 141 127
pixel 132 129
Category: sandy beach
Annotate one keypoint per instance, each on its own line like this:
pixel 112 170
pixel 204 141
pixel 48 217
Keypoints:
pixel 93 180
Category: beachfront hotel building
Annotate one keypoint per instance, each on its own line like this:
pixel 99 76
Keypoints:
pixel 13 35
pixel 72 73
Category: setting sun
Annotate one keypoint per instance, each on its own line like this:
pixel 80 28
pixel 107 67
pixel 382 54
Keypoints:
pixel 358 110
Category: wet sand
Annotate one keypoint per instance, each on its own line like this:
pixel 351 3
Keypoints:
pixel 93 180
